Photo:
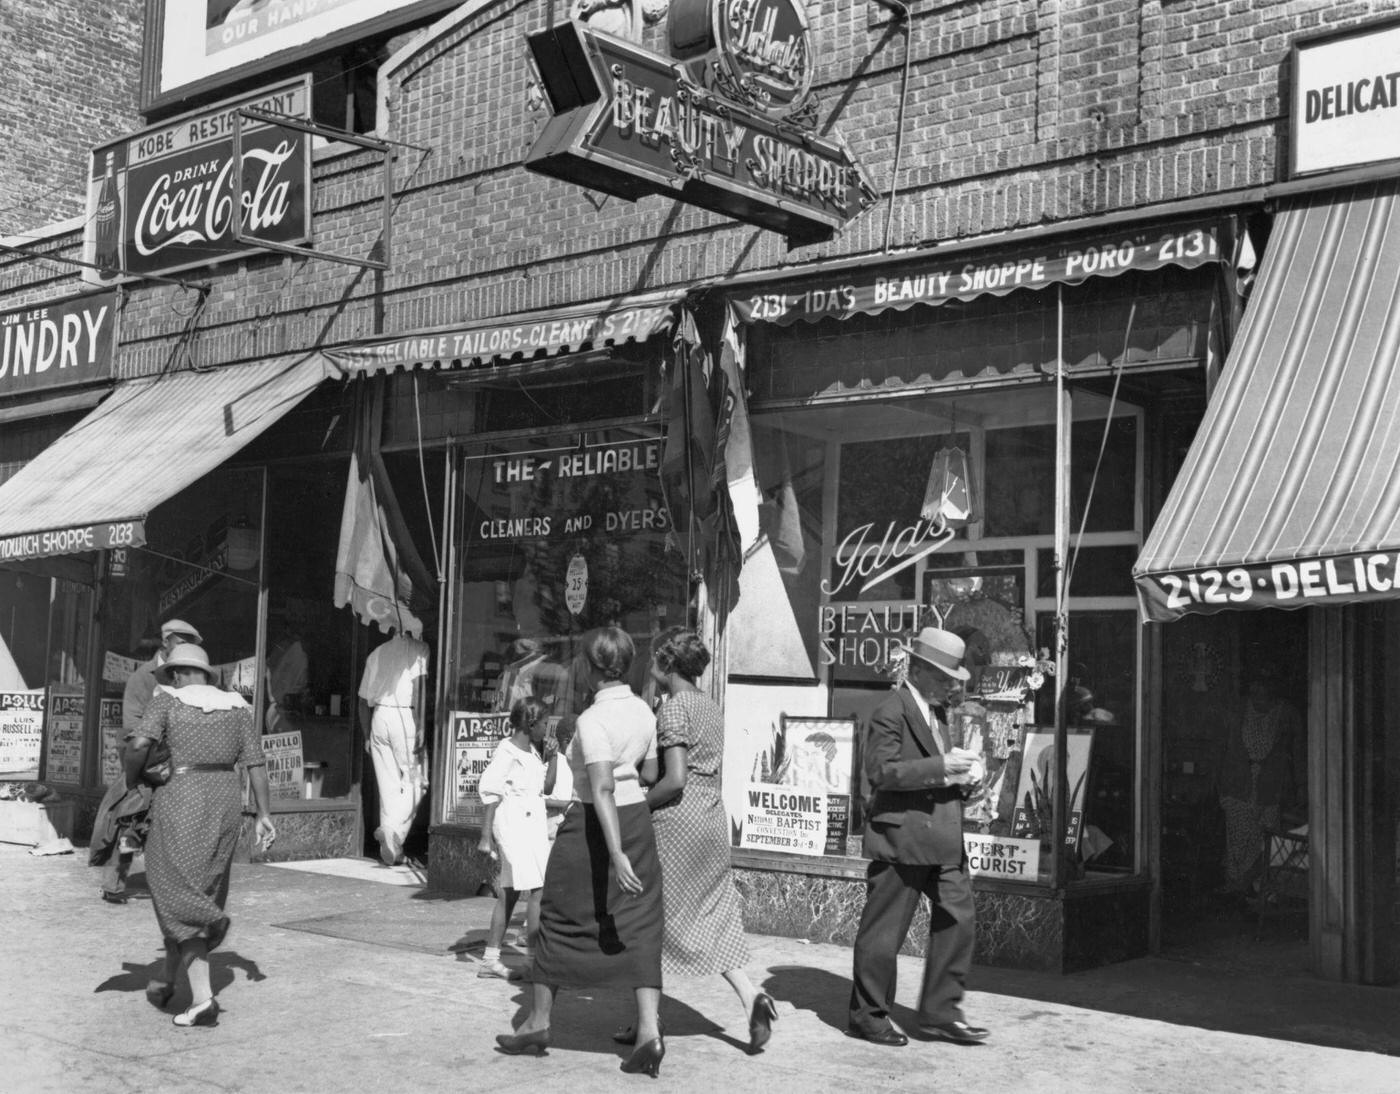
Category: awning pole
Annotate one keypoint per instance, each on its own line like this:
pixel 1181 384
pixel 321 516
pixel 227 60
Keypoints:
pixel 1059 808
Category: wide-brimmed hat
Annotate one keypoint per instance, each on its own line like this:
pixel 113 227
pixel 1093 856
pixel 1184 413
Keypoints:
pixel 179 626
pixel 941 649
pixel 185 656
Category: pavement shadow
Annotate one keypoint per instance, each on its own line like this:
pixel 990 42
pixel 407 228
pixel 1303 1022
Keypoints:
pixel 824 993
pixel 224 965
pixel 585 1019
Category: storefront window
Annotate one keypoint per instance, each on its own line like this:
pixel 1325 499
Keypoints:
pixel 201 565
pixel 880 519
pixel 557 533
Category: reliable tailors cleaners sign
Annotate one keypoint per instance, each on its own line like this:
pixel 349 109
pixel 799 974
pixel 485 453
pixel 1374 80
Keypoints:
pixel 57 344
pixel 1346 99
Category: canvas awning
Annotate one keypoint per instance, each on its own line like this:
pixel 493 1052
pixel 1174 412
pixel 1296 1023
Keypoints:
pixel 870 286
pixel 1290 493
pixel 516 337
pixel 93 487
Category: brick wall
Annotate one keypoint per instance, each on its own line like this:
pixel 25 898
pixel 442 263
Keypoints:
pixel 1019 113
pixel 72 72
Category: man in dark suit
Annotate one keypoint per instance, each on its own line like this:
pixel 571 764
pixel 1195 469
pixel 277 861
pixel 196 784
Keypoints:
pixel 913 835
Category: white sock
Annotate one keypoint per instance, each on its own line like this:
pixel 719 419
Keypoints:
pixel 491 955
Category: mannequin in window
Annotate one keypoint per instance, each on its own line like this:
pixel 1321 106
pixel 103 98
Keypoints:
pixel 1263 776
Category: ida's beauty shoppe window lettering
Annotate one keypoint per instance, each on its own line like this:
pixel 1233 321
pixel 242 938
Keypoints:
pixel 558 533
pixel 880 520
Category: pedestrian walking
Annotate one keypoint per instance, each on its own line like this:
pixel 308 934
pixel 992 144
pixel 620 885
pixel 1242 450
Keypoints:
pixel 195 818
pixel 601 911
pixel 119 829
pixel 704 929
pixel 515 829
pixel 913 836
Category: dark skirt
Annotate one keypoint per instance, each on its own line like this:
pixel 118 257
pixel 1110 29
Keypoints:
pixel 592 934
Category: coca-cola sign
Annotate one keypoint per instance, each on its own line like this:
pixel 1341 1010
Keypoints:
pixel 166 199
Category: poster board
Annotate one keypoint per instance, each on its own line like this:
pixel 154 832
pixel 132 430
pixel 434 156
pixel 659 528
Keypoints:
pixel 1035 788
pixel 110 724
pixel 21 734
pixel 67 708
pixel 804 807
pixel 475 735
pixel 284 762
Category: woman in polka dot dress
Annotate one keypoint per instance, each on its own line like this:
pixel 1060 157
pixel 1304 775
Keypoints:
pixel 195 818
pixel 704 928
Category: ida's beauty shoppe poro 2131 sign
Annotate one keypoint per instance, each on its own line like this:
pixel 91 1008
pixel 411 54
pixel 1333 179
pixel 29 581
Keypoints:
pixel 168 198
pixel 727 122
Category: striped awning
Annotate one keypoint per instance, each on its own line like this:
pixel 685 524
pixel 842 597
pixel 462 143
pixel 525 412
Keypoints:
pixel 516 337
pixel 93 487
pixel 1290 493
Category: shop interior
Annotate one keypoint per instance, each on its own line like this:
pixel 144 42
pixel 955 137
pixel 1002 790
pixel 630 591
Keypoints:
pixel 1235 874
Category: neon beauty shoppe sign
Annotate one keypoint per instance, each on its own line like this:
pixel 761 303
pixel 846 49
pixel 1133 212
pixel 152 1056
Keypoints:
pixel 730 126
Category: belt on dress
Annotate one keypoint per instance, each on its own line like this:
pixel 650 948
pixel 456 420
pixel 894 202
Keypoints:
pixel 186 768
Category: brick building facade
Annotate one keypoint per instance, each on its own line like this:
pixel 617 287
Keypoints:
pixel 991 131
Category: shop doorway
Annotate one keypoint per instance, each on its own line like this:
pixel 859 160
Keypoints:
pixel 1234 821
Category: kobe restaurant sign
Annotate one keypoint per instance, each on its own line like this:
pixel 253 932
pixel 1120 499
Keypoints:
pixel 727 122
pixel 168 198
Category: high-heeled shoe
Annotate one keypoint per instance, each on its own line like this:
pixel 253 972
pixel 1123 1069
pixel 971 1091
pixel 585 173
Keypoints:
pixel 646 1057
pixel 201 1014
pixel 761 1019
pixel 159 994
pixel 517 1044
pixel 627 1035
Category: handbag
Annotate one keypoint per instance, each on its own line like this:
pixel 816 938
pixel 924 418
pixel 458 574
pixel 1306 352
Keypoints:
pixel 158 767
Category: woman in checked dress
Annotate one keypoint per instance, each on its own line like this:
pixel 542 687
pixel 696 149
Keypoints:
pixel 195 818
pixel 704 932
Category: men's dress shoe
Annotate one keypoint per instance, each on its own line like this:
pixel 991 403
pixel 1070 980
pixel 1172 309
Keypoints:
pixel 887 1036
pixel 960 1033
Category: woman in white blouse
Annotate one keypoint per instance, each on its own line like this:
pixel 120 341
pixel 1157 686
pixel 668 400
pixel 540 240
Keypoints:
pixel 600 914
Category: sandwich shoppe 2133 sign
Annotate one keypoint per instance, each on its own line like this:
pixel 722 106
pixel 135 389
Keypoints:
pixel 731 128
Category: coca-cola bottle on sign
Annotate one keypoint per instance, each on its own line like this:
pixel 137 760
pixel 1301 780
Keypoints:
pixel 109 225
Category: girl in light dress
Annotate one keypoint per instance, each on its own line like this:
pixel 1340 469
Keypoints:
pixel 516 828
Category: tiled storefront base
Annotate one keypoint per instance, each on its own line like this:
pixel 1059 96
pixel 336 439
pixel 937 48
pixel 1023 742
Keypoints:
pixel 305 834
pixel 1023 929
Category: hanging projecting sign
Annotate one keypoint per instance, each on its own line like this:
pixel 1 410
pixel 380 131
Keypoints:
pixel 57 344
pixel 165 199
pixel 731 127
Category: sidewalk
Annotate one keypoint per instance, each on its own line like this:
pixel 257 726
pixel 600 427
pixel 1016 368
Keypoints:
pixel 353 983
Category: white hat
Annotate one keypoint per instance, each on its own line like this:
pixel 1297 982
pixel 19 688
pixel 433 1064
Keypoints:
pixel 942 649
pixel 179 626
pixel 185 656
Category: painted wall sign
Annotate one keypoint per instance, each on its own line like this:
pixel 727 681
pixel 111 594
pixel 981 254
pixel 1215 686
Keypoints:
pixel 164 199
pixel 1346 99
pixel 57 345
pixel 631 123
pixel 939 280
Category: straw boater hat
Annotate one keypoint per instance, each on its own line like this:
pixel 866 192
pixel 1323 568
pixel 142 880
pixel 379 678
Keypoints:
pixel 179 626
pixel 185 656
pixel 942 649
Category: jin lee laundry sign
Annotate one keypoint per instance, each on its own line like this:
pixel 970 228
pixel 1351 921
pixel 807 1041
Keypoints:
pixel 57 344
pixel 727 122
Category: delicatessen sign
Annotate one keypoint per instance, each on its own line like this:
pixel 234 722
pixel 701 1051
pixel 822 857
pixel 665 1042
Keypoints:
pixel 1346 99
pixel 167 198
